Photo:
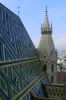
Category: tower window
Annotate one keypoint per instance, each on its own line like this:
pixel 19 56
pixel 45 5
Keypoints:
pixel 45 68
pixel 52 68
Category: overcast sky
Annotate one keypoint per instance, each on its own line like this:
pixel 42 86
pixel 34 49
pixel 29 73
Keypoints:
pixel 32 13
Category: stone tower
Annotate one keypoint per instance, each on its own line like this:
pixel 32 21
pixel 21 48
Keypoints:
pixel 46 50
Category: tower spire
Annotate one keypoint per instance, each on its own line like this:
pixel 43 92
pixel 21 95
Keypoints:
pixel 46 26
pixel 46 50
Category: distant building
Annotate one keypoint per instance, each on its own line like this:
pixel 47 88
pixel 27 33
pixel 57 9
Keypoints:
pixel 61 53
pixel 61 77
pixel 61 70
pixel 46 50
pixel 61 64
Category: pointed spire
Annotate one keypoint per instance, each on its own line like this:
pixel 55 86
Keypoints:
pixel 46 23
pixel 46 27
pixel 46 9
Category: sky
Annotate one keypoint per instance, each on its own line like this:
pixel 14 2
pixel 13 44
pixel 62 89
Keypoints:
pixel 32 14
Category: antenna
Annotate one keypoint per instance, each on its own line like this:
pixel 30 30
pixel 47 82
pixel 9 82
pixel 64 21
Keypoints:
pixel 18 10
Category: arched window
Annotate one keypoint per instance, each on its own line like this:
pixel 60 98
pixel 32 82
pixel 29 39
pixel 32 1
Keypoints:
pixel 52 79
pixel 52 68
pixel 45 68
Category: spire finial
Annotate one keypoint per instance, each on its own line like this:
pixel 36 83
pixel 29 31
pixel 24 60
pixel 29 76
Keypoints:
pixel 46 26
pixel 46 12
pixel 18 10
pixel 46 8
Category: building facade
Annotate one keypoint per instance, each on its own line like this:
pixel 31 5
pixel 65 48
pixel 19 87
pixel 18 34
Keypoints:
pixel 46 50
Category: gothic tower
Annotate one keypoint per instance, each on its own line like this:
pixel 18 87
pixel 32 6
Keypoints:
pixel 46 50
